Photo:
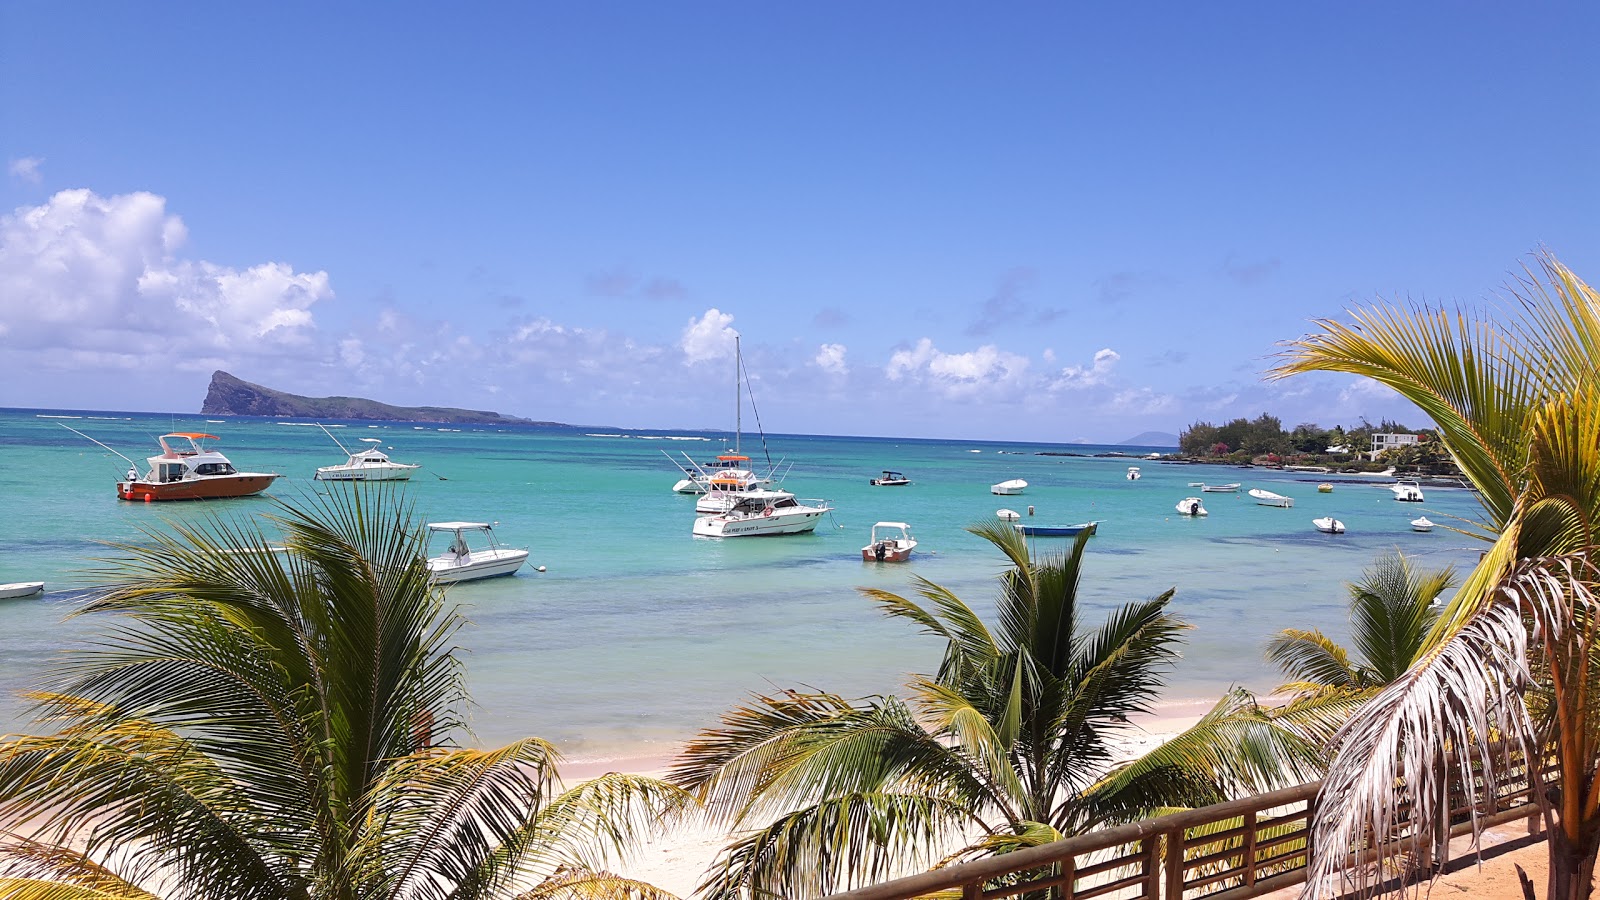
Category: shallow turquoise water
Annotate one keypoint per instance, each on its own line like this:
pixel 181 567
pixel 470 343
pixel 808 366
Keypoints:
pixel 638 633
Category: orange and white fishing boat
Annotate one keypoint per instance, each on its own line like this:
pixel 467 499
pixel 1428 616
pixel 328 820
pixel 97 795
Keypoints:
pixel 188 470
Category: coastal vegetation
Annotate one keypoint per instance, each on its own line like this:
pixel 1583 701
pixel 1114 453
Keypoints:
pixel 1511 669
pixel 279 719
pixel 1011 744
pixel 228 395
pixel 1264 441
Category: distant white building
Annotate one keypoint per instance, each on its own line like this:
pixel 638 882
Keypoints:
pixel 1382 442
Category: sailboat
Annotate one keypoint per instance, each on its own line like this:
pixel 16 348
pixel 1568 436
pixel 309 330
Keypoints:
pixel 721 481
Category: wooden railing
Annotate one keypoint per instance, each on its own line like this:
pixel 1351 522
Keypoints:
pixel 1242 848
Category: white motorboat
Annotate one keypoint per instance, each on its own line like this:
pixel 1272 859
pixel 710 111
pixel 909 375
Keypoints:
pixel 1007 515
pixel 1329 525
pixel 891 542
pixel 366 464
pixel 459 562
pixel 1191 506
pixel 1421 524
pixel 760 513
pixel 20 589
pixel 1407 490
pixel 1268 498
pixel 732 463
pixel 1133 473
pixel 891 479
pixel 1220 488
pixel 1014 486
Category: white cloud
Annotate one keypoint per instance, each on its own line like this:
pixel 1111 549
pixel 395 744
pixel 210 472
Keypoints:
pixel 1096 373
pixel 830 359
pixel 91 274
pixel 27 169
pixel 1143 401
pixel 986 369
pixel 708 337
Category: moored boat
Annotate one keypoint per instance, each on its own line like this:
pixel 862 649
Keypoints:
pixel 1324 488
pixel 1407 491
pixel 1220 488
pixel 1329 525
pixel 20 589
pixel 1421 523
pixel 762 513
pixel 1007 515
pixel 1133 473
pixel 891 542
pixel 1056 530
pixel 367 464
pixel 1013 486
pixel 891 479
pixel 188 470
pixel 1191 506
pixel 1268 498
pixel 459 562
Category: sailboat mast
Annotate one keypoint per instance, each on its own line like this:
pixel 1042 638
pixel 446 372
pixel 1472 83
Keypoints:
pixel 738 395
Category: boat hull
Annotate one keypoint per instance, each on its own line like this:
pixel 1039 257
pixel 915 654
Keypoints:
pixel 1056 530
pixel 1009 488
pixel 20 589
pixel 1219 488
pixel 205 487
pixel 893 551
pixel 366 473
pixel 476 565
pixel 886 482
pixel 758 526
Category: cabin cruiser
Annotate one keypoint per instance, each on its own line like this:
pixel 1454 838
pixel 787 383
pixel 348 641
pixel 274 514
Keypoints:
pixel 368 464
pixel 1407 490
pixel 1014 486
pixel 459 562
pixel 891 542
pixel 762 512
pixel 1191 506
pixel 187 470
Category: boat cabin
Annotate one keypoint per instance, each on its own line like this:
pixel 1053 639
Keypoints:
pixel 183 455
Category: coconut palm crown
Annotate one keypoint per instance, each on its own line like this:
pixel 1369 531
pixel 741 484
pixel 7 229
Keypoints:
pixel 1392 612
pixel 280 721
pixel 1011 744
pixel 1512 661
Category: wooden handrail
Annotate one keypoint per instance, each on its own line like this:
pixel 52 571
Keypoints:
pixel 1253 854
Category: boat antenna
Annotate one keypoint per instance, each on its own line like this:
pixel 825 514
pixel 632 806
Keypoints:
pixel 332 438
pixel 738 397
pixel 756 412
pixel 92 440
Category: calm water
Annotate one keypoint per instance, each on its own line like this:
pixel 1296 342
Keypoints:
pixel 638 633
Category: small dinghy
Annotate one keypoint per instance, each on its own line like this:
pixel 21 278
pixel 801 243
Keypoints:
pixel 1191 506
pixel 20 589
pixel 1008 515
pixel 1133 473
pixel 891 542
pixel 1014 486
pixel 1329 525
pixel 1421 524
pixel 1324 488
pixel 1056 530
pixel 1269 498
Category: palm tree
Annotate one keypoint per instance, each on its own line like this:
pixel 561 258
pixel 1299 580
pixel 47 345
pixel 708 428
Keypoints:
pixel 1513 656
pixel 278 722
pixel 1391 614
pixel 1010 745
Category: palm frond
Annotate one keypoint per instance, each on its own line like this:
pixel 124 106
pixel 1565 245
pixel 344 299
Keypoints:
pixel 578 884
pixel 1313 660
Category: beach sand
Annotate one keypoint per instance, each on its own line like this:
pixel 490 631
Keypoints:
pixel 676 861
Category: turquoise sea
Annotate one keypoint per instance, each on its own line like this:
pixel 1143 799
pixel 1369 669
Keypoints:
pixel 638 634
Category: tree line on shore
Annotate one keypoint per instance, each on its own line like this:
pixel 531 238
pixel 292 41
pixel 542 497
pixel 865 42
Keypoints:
pixel 1264 441
pixel 285 718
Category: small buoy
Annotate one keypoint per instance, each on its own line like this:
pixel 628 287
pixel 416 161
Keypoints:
pixel 539 568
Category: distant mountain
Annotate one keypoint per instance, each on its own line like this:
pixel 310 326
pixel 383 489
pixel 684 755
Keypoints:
pixel 230 396
pixel 1152 439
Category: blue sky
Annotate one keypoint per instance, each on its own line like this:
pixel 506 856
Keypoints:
pixel 1041 221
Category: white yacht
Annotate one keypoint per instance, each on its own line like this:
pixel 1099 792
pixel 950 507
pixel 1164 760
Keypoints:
pixel 762 512
pixel 367 464
pixel 1407 490
pixel 20 589
pixel 459 562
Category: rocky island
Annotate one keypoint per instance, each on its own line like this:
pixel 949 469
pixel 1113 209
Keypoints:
pixel 230 396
